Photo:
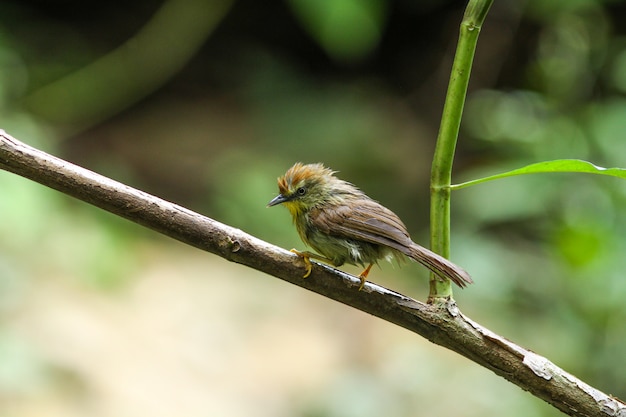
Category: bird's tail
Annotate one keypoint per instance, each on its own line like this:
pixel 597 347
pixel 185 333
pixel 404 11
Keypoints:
pixel 439 265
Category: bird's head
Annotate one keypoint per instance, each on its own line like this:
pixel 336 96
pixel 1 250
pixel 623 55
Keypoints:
pixel 306 186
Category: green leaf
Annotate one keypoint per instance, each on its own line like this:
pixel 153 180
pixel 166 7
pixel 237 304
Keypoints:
pixel 559 165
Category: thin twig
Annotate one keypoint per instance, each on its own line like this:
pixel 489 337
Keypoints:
pixel 442 324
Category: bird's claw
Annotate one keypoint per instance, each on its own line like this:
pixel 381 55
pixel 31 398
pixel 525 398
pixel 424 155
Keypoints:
pixel 364 275
pixel 307 261
pixel 362 282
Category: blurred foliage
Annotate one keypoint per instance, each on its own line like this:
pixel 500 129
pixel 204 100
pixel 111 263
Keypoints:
pixel 357 85
pixel 348 30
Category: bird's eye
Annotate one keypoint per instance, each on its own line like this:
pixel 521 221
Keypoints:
pixel 301 191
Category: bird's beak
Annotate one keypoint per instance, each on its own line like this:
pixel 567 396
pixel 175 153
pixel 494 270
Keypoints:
pixel 277 200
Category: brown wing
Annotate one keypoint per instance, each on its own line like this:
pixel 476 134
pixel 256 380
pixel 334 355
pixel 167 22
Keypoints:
pixel 366 220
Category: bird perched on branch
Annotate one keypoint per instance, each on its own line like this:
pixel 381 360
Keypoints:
pixel 346 226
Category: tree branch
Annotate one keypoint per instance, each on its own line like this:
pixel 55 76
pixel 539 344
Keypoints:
pixel 442 324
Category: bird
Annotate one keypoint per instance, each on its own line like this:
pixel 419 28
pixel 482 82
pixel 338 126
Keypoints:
pixel 343 225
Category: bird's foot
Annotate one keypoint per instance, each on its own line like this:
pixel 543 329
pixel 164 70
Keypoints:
pixel 364 275
pixel 307 261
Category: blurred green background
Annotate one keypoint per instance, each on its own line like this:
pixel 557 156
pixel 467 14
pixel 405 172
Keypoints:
pixel 205 103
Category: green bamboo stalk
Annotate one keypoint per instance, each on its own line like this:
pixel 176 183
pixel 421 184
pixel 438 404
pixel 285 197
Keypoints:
pixel 441 173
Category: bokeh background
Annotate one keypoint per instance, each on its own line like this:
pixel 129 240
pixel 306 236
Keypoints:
pixel 204 103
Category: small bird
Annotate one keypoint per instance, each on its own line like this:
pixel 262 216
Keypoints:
pixel 346 226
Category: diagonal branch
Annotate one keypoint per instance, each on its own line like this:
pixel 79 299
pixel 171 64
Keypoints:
pixel 442 324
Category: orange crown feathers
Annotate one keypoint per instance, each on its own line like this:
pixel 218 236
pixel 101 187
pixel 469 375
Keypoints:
pixel 299 172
